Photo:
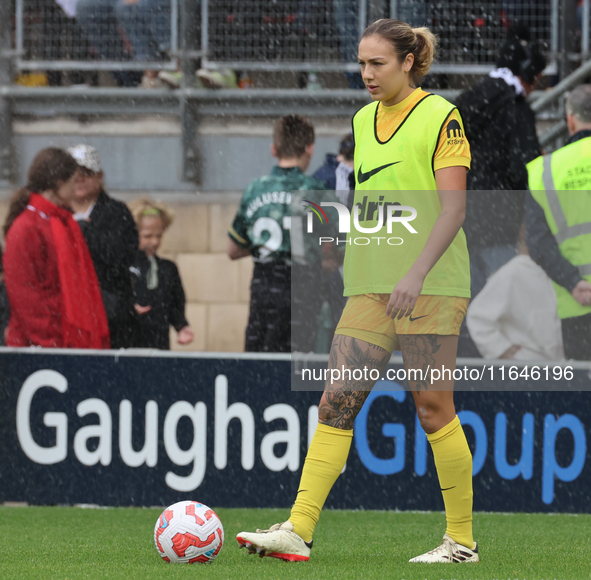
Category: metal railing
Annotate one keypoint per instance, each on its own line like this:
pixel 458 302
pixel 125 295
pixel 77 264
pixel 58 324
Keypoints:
pixel 558 131
pixel 281 36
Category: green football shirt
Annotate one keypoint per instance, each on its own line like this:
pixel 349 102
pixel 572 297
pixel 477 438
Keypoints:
pixel 266 225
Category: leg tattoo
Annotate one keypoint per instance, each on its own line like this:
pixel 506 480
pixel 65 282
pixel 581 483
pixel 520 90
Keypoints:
pixel 417 353
pixel 342 401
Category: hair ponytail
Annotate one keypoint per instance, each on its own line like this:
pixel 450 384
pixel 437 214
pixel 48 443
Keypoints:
pixel 18 204
pixel 424 54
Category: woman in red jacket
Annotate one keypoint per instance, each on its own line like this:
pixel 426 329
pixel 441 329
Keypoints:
pixel 52 288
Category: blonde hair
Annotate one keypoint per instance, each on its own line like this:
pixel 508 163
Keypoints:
pixel 146 207
pixel 420 42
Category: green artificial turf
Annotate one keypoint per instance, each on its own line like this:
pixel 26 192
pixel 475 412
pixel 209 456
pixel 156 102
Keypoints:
pixel 74 543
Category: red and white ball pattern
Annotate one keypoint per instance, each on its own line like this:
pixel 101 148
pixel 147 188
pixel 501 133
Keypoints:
pixel 188 532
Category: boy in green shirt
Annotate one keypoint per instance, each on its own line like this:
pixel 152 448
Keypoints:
pixel 263 227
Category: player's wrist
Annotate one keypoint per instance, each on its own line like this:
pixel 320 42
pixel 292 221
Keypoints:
pixel 418 270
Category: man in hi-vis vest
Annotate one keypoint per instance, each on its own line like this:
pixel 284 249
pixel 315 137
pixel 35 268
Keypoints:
pixel 558 222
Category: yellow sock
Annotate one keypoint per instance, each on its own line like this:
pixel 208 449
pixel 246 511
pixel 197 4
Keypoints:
pixel 453 461
pixel 325 460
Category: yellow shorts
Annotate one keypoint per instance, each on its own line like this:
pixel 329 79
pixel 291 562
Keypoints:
pixel 364 317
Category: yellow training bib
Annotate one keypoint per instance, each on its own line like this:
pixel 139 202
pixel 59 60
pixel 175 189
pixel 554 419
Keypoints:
pixel 384 242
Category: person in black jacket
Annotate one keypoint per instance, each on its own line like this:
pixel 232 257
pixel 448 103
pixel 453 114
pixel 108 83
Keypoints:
pixel 111 235
pixel 337 171
pixel 501 129
pixel 159 294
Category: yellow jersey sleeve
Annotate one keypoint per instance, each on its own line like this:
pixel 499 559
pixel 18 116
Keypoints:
pixel 453 149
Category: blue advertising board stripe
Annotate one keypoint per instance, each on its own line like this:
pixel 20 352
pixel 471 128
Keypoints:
pixel 152 429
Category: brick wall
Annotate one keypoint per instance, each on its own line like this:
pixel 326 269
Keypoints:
pixel 217 288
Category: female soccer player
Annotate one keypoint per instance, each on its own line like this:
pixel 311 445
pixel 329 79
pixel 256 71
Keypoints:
pixel 410 151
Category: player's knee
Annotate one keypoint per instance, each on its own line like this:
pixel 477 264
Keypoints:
pixel 429 417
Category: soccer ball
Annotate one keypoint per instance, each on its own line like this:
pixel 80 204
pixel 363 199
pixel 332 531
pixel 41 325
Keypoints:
pixel 188 532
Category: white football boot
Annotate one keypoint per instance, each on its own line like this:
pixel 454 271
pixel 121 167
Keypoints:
pixel 448 552
pixel 279 541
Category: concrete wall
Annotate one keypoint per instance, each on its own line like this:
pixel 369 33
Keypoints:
pixel 217 288
pixel 146 153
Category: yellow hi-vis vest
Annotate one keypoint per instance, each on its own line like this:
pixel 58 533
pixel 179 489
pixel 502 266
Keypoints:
pixel 380 252
pixel 560 183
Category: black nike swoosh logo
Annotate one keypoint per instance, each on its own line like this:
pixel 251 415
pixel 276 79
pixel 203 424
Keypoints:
pixel 361 177
pixel 301 491
pixel 448 488
pixel 418 317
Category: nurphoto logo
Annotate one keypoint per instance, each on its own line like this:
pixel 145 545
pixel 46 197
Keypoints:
pixel 387 215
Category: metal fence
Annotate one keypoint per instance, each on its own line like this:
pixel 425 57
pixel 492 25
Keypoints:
pixel 266 34
pixel 323 34
pixel 473 32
